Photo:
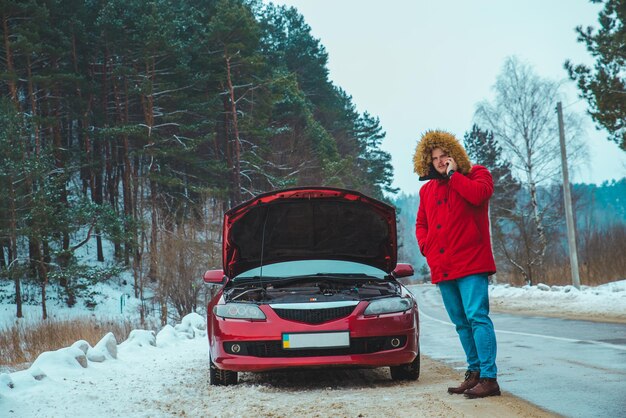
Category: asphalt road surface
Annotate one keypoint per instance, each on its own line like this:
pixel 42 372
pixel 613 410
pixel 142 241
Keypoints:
pixel 570 367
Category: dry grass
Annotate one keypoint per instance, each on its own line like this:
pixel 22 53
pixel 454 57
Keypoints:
pixel 21 343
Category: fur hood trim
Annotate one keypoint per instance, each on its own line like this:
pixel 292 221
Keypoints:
pixel 422 159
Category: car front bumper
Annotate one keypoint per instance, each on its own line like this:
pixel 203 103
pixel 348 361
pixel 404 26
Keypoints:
pixel 385 340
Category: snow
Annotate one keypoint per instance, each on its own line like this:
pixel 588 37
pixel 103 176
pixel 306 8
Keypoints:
pixel 607 300
pixel 139 338
pixel 106 349
pixel 113 300
pixel 130 378
pixel 65 381
pixel 191 326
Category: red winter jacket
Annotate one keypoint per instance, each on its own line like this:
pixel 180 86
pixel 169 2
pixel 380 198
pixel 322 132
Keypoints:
pixel 452 226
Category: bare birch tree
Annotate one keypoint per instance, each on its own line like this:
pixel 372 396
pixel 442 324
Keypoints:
pixel 523 120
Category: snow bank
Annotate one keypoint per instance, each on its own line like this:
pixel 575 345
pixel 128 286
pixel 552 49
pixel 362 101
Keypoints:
pixel 607 299
pixel 6 381
pixel 139 338
pixel 193 325
pixel 61 360
pixel 106 349
pixel 50 364
pixel 55 366
pixel 21 380
pixel 82 345
pixel 167 337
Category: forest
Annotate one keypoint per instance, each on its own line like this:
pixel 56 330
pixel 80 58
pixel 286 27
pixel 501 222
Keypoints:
pixel 131 126
pixel 138 123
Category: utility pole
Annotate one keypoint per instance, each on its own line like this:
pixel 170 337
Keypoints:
pixel 569 215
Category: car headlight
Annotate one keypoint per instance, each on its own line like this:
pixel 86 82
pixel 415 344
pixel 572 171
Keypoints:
pixel 388 305
pixel 239 311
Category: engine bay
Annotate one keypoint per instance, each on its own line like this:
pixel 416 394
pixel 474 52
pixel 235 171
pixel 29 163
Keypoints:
pixel 310 289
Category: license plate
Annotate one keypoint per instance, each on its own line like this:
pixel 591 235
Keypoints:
pixel 316 340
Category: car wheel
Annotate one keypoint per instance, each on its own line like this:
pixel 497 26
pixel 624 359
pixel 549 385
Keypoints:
pixel 220 377
pixel 410 371
pixel 229 377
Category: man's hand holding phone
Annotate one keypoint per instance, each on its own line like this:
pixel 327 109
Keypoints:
pixel 451 166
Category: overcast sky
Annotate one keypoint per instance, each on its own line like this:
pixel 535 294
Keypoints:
pixel 425 64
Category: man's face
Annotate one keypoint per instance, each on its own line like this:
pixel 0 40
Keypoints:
pixel 440 158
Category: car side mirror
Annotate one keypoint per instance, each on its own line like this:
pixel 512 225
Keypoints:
pixel 403 270
pixel 214 277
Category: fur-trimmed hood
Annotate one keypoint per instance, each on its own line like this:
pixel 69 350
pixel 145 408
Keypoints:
pixel 422 159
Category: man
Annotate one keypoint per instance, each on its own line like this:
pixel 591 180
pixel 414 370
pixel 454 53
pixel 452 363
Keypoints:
pixel 452 231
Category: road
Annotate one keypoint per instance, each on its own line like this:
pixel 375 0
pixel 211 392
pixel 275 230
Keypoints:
pixel 570 367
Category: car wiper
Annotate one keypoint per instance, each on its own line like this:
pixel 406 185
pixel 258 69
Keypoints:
pixel 339 276
pixel 259 279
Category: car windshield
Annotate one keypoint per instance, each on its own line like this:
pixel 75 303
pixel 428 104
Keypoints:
pixel 313 267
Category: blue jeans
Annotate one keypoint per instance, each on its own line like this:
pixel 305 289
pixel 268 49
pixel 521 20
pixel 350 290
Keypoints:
pixel 467 302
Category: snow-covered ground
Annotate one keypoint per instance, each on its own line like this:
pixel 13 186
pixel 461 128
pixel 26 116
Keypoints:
pixel 604 302
pixel 109 379
pixel 138 377
pixel 113 300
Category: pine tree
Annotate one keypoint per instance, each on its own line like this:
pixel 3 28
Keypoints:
pixel 373 161
pixel 12 139
pixel 483 149
pixel 234 34
pixel 604 86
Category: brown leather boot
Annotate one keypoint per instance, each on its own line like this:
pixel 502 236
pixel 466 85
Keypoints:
pixel 485 387
pixel 471 380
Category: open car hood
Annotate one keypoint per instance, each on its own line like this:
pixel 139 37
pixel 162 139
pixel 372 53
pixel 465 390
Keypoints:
pixel 309 223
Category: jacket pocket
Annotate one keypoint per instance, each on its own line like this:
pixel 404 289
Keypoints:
pixel 425 245
pixel 469 236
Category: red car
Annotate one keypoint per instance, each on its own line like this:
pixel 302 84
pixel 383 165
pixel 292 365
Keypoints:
pixel 310 280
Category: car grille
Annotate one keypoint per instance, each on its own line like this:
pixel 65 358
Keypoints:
pixel 365 345
pixel 314 316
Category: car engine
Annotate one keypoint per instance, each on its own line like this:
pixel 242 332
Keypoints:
pixel 310 289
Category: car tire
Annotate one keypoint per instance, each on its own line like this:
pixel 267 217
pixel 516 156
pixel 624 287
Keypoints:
pixel 410 371
pixel 218 377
